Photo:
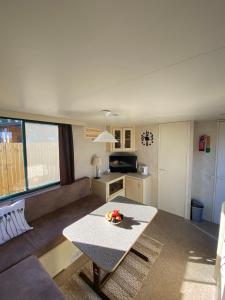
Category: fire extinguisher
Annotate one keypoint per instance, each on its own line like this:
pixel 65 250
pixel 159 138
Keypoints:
pixel 201 146
pixel 204 143
pixel 207 144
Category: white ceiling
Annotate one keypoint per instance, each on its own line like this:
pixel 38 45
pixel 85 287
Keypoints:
pixel 149 60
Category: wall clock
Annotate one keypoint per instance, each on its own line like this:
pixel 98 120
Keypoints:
pixel 147 138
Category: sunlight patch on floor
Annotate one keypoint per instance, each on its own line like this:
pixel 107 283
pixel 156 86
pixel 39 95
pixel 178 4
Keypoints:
pixel 198 282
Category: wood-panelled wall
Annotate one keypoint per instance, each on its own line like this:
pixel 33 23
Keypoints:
pixel 11 168
pixel 43 166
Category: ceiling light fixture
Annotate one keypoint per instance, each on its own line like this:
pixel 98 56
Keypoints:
pixel 105 136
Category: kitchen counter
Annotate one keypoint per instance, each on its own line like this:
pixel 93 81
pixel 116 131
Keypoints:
pixel 137 175
pixel 113 176
pixel 134 186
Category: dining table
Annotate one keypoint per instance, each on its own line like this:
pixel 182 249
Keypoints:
pixel 107 244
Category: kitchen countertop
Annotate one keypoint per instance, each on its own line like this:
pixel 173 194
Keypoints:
pixel 112 176
pixel 137 175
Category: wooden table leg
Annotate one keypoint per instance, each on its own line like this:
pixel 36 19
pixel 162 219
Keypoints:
pixel 96 275
pixel 95 285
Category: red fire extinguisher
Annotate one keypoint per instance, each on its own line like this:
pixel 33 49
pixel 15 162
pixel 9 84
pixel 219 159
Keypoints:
pixel 202 140
pixel 204 143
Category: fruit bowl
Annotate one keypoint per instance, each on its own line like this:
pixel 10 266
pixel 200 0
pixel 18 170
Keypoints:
pixel 114 217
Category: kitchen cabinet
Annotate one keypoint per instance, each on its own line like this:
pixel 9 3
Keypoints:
pixel 133 186
pixel 134 189
pixel 139 189
pixel 125 137
pixel 109 186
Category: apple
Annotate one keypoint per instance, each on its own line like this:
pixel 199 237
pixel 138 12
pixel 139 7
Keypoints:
pixel 115 213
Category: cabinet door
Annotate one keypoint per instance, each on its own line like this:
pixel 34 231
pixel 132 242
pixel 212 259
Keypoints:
pixel 134 189
pixel 128 138
pixel 117 133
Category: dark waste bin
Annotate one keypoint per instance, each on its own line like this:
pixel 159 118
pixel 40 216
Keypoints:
pixel 196 210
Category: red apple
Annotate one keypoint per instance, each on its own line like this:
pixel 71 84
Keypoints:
pixel 115 213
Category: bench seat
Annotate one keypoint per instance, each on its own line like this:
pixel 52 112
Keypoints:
pixel 22 276
pixel 28 280
pixel 47 232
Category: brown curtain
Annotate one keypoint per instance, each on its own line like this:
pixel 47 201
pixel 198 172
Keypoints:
pixel 66 154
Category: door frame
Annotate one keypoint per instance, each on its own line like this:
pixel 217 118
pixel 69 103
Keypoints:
pixel 190 154
pixel 215 171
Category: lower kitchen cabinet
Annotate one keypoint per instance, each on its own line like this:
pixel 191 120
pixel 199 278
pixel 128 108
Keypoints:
pixel 138 189
pixel 133 186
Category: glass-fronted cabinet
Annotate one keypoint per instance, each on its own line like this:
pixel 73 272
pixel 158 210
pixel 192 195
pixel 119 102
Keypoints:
pixel 118 136
pixel 125 138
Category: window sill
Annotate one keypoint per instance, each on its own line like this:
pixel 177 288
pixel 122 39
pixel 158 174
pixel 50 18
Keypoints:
pixel 27 194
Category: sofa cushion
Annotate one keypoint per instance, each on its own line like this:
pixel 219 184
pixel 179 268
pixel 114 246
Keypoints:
pixel 44 202
pixel 12 221
pixel 28 280
pixel 14 251
pixel 47 232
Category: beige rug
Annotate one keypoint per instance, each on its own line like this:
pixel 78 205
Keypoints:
pixel 125 282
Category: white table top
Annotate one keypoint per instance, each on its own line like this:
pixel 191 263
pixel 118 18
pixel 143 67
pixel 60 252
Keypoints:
pixel 107 244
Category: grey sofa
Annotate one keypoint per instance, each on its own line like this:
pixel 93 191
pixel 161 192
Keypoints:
pixel 49 213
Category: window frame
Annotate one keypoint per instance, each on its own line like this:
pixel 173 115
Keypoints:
pixel 27 190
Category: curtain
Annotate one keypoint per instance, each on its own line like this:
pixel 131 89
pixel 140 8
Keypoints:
pixel 66 154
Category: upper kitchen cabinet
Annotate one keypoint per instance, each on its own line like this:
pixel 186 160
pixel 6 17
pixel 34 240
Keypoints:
pixel 125 137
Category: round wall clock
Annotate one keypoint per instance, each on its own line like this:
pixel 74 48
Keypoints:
pixel 147 138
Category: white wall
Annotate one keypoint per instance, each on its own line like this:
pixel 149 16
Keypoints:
pixel 203 163
pixel 84 150
pixel 149 155
pixel 204 167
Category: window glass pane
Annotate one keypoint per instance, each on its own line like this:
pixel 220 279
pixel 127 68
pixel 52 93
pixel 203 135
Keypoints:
pixel 117 136
pixel 42 154
pixel 11 157
pixel 128 138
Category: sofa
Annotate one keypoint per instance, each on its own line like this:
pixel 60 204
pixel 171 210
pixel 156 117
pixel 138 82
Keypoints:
pixel 49 212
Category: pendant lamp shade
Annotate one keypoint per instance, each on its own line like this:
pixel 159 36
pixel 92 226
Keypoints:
pixel 105 137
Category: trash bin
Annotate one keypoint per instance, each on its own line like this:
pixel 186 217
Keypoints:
pixel 196 210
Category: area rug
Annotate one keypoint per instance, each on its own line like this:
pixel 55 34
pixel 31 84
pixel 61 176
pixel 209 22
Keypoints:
pixel 125 282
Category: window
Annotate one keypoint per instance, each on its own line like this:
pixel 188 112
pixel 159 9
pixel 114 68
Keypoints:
pixel 29 156
pixel 12 178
